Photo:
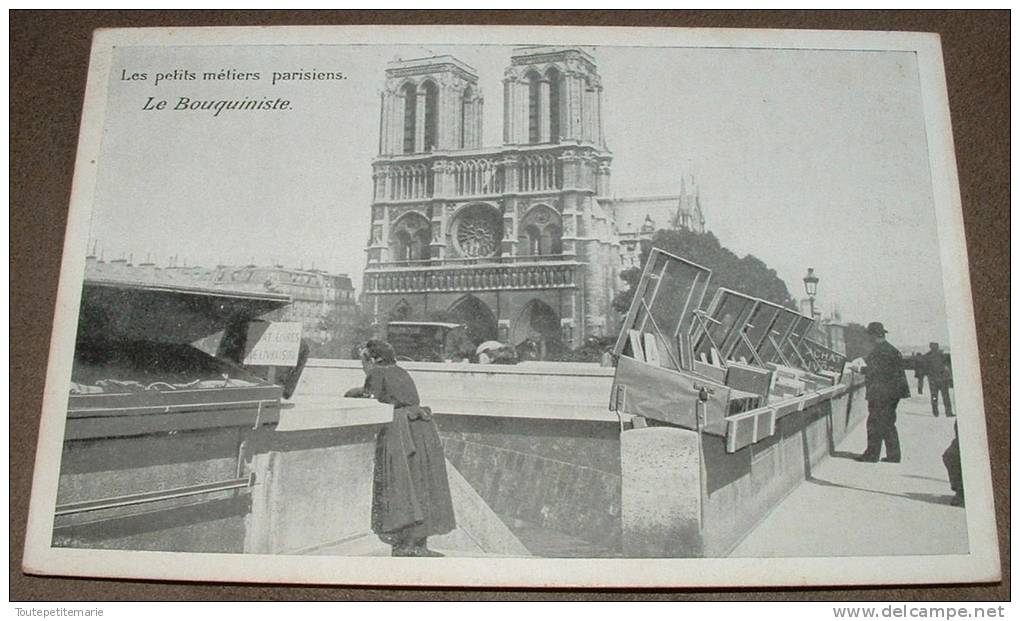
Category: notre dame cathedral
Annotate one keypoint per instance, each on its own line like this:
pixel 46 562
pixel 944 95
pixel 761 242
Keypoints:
pixel 522 240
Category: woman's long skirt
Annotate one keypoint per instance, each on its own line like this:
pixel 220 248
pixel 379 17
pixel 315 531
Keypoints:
pixel 410 492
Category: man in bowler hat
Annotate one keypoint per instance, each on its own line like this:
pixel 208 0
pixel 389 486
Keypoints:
pixel 886 384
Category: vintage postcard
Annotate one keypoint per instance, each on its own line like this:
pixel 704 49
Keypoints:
pixel 514 307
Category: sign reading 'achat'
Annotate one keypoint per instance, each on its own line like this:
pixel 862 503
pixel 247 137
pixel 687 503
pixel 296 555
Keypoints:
pixel 272 343
pixel 822 357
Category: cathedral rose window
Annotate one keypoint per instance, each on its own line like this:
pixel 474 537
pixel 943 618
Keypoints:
pixel 478 231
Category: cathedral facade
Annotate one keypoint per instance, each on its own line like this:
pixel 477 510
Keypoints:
pixel 517 241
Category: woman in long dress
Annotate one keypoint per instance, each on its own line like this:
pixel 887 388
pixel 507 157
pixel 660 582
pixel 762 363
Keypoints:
pixel 410 492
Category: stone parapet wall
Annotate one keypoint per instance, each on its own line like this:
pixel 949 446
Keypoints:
pixel 545 390
pixel 685 495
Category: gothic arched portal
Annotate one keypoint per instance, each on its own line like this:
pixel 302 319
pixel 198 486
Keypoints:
pixel 540 323
pixel 480 322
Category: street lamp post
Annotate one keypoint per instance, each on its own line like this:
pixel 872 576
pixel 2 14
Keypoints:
pixel 811 288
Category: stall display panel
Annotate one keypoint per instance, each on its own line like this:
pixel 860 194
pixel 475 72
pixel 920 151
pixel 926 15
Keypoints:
pixel 721 328
pixel 770 349
pixel 749 379
pixel 669 290
pixel 657 375
pixel 791 347
pixel 673 397
pixel 756 330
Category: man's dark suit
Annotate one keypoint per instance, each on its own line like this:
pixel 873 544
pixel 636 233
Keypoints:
pixel 938 380
pixel 886 385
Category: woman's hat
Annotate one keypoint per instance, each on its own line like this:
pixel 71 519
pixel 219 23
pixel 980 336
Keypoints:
pixel 380 351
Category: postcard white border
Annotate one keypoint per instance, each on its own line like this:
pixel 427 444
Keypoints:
pixel 980 565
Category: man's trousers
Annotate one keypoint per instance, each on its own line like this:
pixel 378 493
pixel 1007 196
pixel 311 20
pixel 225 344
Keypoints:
pixel 882 430
pixel 936 388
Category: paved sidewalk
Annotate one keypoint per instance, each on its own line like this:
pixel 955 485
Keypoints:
pixel 848 508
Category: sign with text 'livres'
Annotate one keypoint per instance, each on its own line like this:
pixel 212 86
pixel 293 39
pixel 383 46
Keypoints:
pixel 272 343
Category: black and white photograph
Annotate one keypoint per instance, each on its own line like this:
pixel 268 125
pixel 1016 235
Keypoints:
pixel 514 307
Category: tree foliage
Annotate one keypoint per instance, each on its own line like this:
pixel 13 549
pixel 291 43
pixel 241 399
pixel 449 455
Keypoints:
pixel 345 330
pixel 631 276
pixel 858 343
pixel 747 274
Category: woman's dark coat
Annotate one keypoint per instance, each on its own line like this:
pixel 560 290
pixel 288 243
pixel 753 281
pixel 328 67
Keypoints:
pixel 410 494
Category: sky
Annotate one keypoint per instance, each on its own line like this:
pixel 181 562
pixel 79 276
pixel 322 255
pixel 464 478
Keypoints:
pixel 804 158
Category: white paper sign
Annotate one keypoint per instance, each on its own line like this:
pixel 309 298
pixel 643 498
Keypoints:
pixel 273 343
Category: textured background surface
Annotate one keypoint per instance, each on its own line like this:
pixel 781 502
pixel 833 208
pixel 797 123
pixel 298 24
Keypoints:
pixel 49 62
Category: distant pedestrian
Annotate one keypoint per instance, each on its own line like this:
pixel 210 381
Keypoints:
pixel 919 372
pixel 886 384
pixel 939 378
pixel 951 459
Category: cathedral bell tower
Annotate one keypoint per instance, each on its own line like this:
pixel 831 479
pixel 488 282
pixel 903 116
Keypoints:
pixel 552 94
pixel 430 104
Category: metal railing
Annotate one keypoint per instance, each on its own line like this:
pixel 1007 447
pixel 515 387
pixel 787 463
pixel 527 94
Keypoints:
pixel 129 500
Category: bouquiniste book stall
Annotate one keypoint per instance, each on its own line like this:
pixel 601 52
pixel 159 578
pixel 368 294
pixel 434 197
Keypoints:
pixel 732 370
pixel 179 367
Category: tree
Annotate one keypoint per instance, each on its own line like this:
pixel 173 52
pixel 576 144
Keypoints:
pixel 345 330
pixel 858 343
pixel 631 276
pixel 747 274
